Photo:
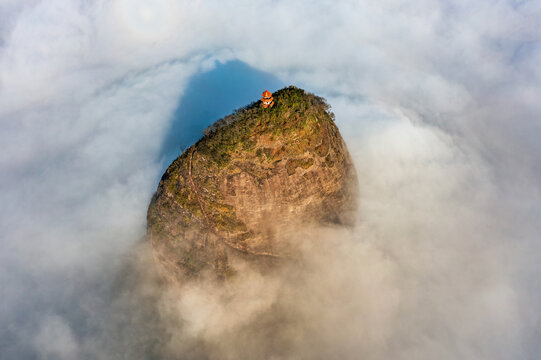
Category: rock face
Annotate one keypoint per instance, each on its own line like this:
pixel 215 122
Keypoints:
pixel 243 188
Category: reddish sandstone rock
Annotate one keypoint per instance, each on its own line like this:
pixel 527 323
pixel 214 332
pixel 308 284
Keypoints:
pixel 243 189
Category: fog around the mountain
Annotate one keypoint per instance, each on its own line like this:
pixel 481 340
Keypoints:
pixel 438 102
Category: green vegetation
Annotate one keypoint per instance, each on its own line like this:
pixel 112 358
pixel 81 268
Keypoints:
pixel 252 142
pixel 252 139
pixel 293 164
pixel 295 112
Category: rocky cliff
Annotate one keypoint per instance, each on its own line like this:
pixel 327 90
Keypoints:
pixel 243 189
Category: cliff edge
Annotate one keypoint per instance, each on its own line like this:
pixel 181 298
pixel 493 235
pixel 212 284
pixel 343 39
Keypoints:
pixel 242 190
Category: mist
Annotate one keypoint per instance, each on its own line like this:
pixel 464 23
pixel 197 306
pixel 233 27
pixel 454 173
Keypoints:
pixel 438 102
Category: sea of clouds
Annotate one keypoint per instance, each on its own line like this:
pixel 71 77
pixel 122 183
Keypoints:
pixel 438 101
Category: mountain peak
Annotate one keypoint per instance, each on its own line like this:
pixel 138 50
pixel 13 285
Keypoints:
pixel 252 179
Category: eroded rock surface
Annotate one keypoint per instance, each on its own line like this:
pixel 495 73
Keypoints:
pixel 243 188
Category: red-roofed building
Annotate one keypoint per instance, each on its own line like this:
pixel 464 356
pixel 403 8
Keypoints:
pixel 267 99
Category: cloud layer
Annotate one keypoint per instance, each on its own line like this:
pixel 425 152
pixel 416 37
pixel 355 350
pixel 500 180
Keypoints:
pixel 438 102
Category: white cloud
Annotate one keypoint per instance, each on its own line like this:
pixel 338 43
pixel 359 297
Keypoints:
pixel 55 340
pixel 437 101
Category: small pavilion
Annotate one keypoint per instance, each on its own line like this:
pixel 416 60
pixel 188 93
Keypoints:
pixel 266 99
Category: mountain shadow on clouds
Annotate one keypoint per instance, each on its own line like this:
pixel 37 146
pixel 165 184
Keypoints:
pixel 210 96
